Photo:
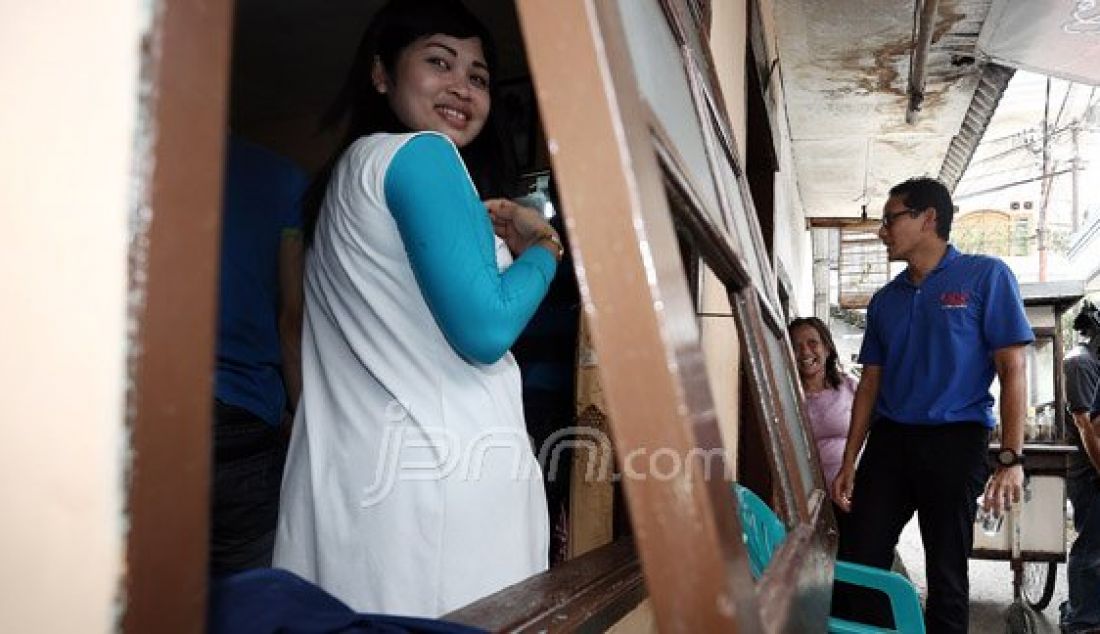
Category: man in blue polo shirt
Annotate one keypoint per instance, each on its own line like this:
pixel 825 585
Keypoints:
pixel 936 336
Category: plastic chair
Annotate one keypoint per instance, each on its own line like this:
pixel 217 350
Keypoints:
pixel 764 533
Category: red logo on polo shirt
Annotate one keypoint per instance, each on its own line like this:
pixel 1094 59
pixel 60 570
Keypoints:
pixel 954 299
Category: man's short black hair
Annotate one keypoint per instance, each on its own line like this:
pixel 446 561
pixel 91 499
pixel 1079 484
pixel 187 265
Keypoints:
pixel 1087 321
pixel 922 193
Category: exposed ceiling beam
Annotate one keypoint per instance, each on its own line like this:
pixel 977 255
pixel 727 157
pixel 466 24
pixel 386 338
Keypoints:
pixel 925 18
pixel 866 224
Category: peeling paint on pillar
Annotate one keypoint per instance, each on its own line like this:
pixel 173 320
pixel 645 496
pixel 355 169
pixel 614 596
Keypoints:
pixel 139 221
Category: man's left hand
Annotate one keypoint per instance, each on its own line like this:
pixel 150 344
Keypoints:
pixel 1005 488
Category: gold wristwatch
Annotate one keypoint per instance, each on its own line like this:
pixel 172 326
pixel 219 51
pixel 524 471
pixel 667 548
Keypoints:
pixel 552 237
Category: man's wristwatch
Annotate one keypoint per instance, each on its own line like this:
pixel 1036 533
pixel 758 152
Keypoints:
pixel 1007 457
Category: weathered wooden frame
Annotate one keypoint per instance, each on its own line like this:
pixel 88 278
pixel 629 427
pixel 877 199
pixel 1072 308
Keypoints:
pixel 176 219
pixel 607 154
pixel 611 160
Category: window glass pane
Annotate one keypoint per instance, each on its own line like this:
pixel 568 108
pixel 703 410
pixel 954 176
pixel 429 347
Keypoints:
pixel 742 238
pixel 1040 373
pixel 761 406
pixel 659 69
pixel 1040 391
pixel 789 407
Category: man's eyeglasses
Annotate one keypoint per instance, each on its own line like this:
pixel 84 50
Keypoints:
pixel 889 218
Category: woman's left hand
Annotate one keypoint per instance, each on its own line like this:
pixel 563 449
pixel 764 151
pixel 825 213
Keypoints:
pixel 519 226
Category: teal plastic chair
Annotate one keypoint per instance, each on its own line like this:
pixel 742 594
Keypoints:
pixel 764 533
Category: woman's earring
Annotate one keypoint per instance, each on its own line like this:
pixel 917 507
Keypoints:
pixel 378 76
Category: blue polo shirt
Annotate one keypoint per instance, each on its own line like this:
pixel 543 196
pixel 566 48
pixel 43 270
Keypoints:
pixel 935 342
pixel 262 199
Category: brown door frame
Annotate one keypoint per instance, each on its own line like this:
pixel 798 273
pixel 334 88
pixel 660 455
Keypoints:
pixel 173 285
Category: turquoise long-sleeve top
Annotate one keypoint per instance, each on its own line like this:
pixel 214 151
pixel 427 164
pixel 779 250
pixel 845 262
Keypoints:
pixel 449 240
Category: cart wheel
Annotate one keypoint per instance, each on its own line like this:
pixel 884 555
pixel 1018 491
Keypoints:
pixel 1038 583
pixel 1020 619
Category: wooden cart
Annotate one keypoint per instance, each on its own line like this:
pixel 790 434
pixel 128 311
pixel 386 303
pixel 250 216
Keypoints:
pixel 1033 537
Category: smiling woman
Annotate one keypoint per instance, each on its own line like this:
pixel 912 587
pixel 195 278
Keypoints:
pixel 427 65
pixel 444 86
pixel 829 393
pixel 391 500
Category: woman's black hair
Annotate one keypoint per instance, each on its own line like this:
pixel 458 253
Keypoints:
pixel 832 361
pixel 394 27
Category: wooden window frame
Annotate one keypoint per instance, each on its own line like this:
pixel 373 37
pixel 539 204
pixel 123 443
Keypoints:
pixel 590 593
pixel 601 140
pixel 175 237
pixel 612 164
pixel 707 97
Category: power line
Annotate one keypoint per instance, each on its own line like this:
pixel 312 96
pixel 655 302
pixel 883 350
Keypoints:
pixel 1056 132
pixel 977 179
pixel 1012 184
pixel 1010 136
pixel 1065 99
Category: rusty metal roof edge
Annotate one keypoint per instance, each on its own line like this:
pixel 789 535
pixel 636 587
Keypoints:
pixel 983 104
pixel 1055 292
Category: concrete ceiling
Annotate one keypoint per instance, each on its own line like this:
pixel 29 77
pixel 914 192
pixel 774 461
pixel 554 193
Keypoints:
pixel 845 69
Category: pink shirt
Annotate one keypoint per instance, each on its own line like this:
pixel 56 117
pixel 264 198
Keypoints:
pixel 829 412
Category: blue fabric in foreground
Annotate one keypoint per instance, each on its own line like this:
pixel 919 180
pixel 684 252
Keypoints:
pixel 268 600
pixel 449 240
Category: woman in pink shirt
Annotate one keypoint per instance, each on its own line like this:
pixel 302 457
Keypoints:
pixel 829 392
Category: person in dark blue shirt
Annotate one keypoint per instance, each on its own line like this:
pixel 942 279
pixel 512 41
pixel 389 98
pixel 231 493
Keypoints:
pixel 936 336
pixel 546 354
pixel 258 376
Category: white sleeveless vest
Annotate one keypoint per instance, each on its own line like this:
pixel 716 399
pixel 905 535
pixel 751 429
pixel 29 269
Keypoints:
pixel 410 486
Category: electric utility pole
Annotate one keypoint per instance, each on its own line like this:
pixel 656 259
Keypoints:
pixel 1041 231
pixel 1076 181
